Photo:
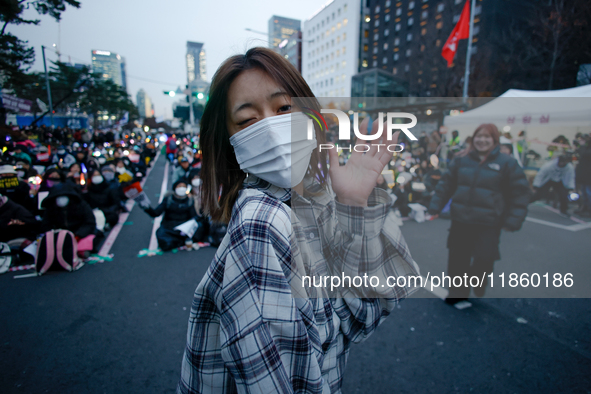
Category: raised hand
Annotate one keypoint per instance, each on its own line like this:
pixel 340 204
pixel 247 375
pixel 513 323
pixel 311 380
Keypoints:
pixel 354 182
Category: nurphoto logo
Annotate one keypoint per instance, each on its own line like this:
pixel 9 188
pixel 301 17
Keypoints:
pixel 345 129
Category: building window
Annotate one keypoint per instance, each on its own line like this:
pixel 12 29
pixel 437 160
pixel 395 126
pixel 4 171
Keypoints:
pixel 386 32
pixel 409 37
pixel 410 21
pixel 477 10
pixel 338 25
pixel 374 63
pixel 398 27
pixel 384 60
pixel 406 68
pixel 395 71
pixel 376 37
pixel 344 36
pixel 375 50
pixel 397 41
pixel 396 57
pixel 344 50
pixel 459 1
pixel 345 21
pixel 343 63
pixel 387 18
pixel 377 9
pixel 366 34
pixel 423 48
pixel 411 5
pixel 408 53
pixel 476 29
pixel 388 3
pixel 377 23
pixel 456 18
pixel 339 12
pixel 345 8
pixel 385 46
pixel 423 31
pixel 438 43
pixel 440 7
pixel 424 14
pixel 398 11
pixel 364 63
pixel 365 48
pixel 439 25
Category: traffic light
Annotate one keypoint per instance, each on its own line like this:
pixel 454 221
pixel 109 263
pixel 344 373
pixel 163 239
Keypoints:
pixel 171 93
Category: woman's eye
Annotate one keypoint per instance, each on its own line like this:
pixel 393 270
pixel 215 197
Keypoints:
pixel 244 122
pixel 285 108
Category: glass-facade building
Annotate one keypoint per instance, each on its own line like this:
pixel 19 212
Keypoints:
pixel 196 63
pixel 110 65
pixel 281 28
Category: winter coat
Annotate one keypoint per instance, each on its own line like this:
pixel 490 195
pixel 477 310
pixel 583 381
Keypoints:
pixel 105 198
pixel 179 173
pixel 10 210
pixel 493 193
pixel 552 172
pixel 77 216
pixel 176 211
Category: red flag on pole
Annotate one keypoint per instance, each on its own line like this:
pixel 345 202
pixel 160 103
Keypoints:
pixel 460 32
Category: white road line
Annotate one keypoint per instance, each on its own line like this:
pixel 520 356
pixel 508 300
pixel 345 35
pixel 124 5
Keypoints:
pixel 108 244
pixel 572 227
pixel 158 220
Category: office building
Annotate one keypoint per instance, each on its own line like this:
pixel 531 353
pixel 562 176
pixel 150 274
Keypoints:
pixel 330 48
pixel 110 65
pixel 281 28
pixel 291 49
pixel 405 38
pixel 144 104
pixel 195 61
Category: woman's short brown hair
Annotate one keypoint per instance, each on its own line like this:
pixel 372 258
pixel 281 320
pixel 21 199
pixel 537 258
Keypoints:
pixel 220 173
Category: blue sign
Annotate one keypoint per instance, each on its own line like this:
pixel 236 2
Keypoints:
pixel 73 122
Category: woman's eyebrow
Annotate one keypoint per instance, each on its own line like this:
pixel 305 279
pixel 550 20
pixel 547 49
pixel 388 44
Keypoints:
pixel 270 97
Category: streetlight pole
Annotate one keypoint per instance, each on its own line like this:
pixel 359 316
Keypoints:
pixel 48 87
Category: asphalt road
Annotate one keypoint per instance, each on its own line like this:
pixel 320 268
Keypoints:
pixel 120 326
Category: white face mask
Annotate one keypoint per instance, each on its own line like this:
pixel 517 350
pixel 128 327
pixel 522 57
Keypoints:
pixel 97 179
pixel 196 182
pixel 62 201
pixel 61 152
pixel 276 149
pixel 120 170
pixel 181 191
pixel 20 174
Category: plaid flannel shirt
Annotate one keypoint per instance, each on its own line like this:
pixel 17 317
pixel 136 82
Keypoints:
pixel 253 329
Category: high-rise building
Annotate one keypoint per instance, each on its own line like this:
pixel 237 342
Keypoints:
pixel 281 28
pixel 144 104
pixel 195 60
pixel 110 65
pixel 405 38
pixel 330 45
pixel 291 49
pixel 123 74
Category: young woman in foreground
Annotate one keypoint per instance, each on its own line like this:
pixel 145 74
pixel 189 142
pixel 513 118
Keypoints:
pixel 253 328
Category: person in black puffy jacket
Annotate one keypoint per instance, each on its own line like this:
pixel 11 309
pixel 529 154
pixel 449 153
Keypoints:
pixel 489 192
pixel 177 208
pixel 100 195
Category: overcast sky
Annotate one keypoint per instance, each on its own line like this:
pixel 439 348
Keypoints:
pixel 152 36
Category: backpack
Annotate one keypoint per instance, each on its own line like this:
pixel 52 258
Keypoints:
pixel 172 144
pixel 57 250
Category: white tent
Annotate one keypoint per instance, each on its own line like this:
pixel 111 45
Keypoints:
pixel 542 114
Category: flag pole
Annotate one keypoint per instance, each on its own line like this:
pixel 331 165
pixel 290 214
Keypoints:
pixel 469 51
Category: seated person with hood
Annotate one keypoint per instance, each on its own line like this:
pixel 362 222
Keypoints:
pixel 177 208
pixel 100 196
pixel 65 209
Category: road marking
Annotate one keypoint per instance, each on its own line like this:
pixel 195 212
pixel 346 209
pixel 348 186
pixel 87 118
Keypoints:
pixel 572 227
pixel 108 244
pixel 158 220
pixel 573 218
